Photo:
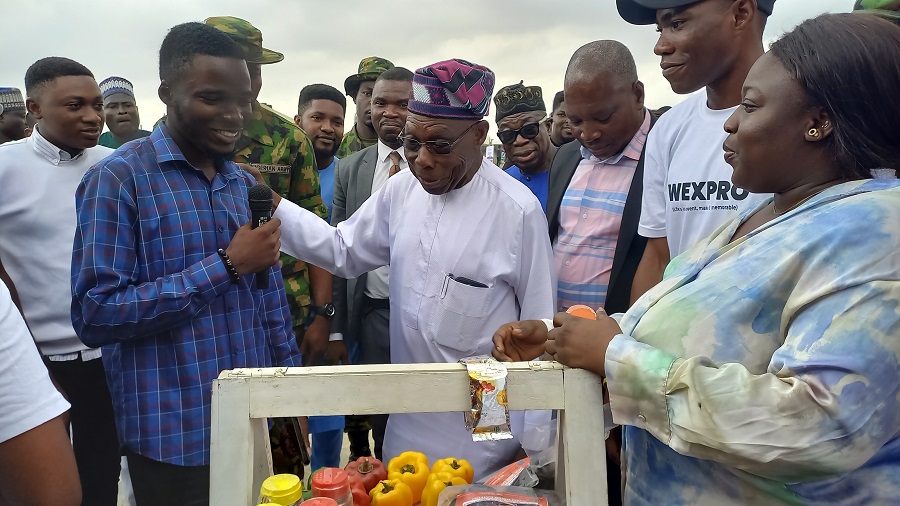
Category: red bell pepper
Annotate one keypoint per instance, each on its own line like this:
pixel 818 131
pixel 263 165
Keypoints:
pixel 369 469
pixel 360 494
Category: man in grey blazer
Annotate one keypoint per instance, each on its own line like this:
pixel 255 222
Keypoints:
pixel 362 309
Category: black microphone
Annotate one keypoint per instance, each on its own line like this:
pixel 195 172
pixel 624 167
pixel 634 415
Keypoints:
pixel 260 197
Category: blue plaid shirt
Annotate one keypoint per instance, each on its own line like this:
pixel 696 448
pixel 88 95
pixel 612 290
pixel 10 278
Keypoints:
pixel 150 288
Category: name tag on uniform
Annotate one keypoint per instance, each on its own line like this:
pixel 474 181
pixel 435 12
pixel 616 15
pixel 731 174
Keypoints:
pixel 271 168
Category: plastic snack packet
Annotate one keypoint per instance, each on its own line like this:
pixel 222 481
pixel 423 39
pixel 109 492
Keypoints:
pixel 489 417
pixel 517 474
pixel 482 495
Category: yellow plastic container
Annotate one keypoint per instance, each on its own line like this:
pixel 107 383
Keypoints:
pixel 281 489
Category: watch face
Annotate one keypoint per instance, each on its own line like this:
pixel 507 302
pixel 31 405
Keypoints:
pixel 328 310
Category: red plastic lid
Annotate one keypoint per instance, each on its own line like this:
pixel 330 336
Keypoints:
pixel 330 482
pixel 320 501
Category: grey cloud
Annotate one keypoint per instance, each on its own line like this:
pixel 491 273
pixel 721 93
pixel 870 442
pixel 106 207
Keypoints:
pixel 323 41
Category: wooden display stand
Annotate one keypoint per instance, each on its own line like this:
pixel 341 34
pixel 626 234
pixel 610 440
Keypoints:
pixel 242 399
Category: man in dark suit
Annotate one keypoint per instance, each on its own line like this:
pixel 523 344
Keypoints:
pixel 362 309
pixel 594 201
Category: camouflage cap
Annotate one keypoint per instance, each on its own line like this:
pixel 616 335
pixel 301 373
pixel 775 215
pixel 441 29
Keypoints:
pixel 369 70
pixel 248 37
pixel 888 9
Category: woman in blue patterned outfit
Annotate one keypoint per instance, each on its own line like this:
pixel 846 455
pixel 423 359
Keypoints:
pixel 765 367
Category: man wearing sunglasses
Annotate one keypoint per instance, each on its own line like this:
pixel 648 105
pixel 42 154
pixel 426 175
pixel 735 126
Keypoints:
pixel 467 245
pixel 520 114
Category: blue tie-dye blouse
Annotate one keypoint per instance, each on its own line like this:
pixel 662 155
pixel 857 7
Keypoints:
pixel 765 371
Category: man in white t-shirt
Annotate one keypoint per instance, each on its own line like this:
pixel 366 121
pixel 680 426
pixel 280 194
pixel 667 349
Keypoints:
pixel 709 46
pixel 38 178
pixel 34 448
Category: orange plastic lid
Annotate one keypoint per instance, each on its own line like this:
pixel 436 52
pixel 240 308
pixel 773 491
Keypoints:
pixel 320 501
pixel 582 311
pixel 330 482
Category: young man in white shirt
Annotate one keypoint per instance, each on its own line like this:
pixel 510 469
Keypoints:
pixel 710 46
pixel 38 179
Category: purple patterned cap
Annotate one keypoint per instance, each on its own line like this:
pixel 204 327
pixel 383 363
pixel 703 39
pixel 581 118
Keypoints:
pixel 452 89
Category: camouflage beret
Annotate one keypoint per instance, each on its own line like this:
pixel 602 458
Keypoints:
pixel 888 9
pixel 248 37
pixel 369 70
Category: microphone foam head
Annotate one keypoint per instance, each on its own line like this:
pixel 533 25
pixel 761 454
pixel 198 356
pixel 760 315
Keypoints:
pixel 260 197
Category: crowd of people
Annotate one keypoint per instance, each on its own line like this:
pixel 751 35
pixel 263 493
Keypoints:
pixel 740 249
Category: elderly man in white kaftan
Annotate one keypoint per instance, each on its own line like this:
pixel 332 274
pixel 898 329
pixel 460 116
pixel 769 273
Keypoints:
pixel 467 245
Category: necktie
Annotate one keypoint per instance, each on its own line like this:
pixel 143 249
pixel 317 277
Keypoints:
pixel 395 163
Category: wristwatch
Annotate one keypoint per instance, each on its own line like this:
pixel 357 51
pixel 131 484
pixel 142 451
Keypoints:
pixel 326 310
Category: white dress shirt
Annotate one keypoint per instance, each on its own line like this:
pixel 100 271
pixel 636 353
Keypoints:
pixel 491 231
pixel 377 280
pixel 37 222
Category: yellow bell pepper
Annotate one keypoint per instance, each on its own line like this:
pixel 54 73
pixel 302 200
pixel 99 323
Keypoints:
pixel 410 468
pixel 437 482
pixel 460 468
pixel 391 493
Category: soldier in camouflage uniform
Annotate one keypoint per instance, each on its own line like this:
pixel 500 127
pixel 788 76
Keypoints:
pixel 887 9
pixel 284 155
pixel 359 88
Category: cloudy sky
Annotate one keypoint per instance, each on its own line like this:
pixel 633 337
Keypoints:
pixel 323 40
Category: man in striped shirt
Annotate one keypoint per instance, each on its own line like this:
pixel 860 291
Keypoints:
pixel 594 203
pixel 595 188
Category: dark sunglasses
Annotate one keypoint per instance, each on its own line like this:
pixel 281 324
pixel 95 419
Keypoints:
pixel 440 147
pixel 529 131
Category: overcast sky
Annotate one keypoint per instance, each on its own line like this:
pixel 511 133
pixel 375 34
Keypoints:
pixel 323 40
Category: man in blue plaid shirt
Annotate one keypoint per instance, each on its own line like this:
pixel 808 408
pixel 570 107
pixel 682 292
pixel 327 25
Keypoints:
pixel 163 267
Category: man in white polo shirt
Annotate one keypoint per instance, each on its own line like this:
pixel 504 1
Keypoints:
pixel 38 178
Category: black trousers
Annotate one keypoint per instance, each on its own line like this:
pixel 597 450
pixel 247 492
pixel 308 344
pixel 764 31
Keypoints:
pixel 375 348
pixel 159 484
pixel 94 437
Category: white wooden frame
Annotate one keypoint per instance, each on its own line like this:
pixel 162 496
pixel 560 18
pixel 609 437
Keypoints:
pixel 242 399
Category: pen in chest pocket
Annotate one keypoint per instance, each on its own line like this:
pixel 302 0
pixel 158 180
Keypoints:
pixel 467 281
pixel 461 280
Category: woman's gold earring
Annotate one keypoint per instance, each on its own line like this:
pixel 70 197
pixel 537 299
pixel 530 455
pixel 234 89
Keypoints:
pixel 813 132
